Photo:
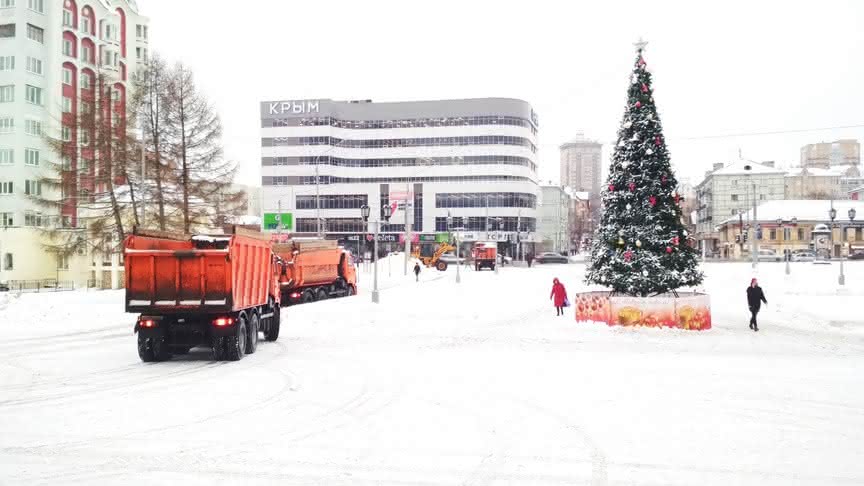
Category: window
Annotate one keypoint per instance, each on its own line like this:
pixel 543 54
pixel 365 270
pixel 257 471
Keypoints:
pixel 7 125
pixel 734 197
pixel 83 165
pixel 87 54
pixel 772 234
pixel 33 127
pixel 7 156
pixel 36 5
pixel 66 134
pixel 84 25
pixel 761 197
pixel 115 95
pixel 67 162
pixel 31 157
pixel 62 261
pixel 7 93
pixel 67 48
pixel 7 219
pixel 36 33
pixel 333 201
pixel 67 18
pixel 7 63
pixel 85 138
pixel 34 65
pixel 33 95
pixel 7 3
pixel 32 218
pixel 67 104
pixel 67 76
pixel 139 31
pixel 7 187
pixel 7 30
pixel 787 234
pixel 33 188
pixel 85 81
pixel 7 262
pixel 86 108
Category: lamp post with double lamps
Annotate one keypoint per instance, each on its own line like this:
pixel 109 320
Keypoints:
pixel 455 240
pixel 842 279
pixel 385 214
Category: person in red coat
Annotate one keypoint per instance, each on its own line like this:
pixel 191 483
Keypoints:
pixel 558 296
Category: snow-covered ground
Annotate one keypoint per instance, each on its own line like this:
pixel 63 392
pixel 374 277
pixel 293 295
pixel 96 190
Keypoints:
pixel 476 383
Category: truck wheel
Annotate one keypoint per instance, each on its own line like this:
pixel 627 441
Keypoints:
pixel 322 295
pixel 235 346
pixel 441 266
pixel 252 339
pixel 160 349
pixel 272 332
pixel 218 348
pixel 351 291
pixel 307 297
pixel 144 350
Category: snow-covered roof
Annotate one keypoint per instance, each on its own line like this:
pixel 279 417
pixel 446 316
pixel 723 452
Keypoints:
pixel 836 171
pixel 247 220
pixel 802 210
pixel 739 168
pixel 581 195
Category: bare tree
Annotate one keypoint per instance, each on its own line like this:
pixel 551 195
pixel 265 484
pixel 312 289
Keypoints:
pixel 152 103
pixel 194 135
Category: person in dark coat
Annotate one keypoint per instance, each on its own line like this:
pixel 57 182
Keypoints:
pixel 755 298
pixel 558 296
pixel 417 271
pixel 530 259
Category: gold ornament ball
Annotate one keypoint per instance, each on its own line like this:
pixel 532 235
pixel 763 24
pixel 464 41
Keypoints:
pixel 638 244
pixel 621 241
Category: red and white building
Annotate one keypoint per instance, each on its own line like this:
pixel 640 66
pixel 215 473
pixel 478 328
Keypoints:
pixel 52 52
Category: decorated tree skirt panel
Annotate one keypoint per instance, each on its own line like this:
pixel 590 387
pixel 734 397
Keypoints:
pixel 687 310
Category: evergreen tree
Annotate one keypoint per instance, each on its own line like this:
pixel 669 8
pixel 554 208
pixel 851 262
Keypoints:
pixel 640 247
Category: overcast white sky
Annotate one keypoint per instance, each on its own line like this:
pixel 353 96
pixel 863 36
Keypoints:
pixel 720 68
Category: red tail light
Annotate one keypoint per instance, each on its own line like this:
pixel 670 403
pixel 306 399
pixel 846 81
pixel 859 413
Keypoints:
pixel 223 321
pixel 295 295
pixel 148 323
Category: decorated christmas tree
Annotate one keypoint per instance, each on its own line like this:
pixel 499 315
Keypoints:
pixel 641 245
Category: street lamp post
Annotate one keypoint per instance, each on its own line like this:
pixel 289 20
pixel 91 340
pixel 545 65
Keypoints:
pixel 455 240
pixel 364 211
pixel 842 279
pixel 781 237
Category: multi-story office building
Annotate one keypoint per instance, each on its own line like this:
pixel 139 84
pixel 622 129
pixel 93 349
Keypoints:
pixel 581 165
pixel 473 160
pixel 51 54
pixel 554 225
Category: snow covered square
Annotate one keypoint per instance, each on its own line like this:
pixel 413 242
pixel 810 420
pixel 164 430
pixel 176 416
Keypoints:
pixel 445 383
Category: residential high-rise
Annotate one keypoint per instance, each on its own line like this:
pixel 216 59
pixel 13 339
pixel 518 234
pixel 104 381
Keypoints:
pixel 51 54
pixel 474 160
pixel 581 165
pixel 831 154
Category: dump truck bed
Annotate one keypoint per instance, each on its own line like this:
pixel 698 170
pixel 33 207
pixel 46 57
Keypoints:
pixel 206 274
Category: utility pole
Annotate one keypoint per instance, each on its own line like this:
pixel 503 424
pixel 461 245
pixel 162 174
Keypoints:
pixel 317 198
pixel 408 220
pixel 279 220
pixel 756 226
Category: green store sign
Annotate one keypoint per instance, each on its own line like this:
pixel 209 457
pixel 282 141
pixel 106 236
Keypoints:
pixel 271 221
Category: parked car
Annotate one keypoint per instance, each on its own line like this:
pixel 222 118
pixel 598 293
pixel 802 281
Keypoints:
pixel 768 255
pixel 504 260
pixel 550 257
pixel 450 259
pixel 858 255
pixel 4 287
pixel 803 256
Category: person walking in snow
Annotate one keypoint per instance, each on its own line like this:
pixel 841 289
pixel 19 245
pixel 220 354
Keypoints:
pixel 417 271
pixel 558 296
pixel 755 297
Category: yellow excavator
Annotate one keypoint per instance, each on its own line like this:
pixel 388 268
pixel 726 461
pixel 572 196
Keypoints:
pixel 431 257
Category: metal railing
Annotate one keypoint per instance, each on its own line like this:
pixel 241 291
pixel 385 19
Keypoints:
pixel 44 285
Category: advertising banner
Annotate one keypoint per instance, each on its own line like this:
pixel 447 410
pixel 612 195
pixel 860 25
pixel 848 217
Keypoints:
pixel 687 310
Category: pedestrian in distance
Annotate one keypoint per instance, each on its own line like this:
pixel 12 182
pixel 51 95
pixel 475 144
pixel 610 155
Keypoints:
pixel 558 297
pixel 417 271
pixel 755 298
pixel 530 259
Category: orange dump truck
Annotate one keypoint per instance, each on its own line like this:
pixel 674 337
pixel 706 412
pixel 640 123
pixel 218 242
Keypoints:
pixel 215 291
pixel 485 255
pixel 314 270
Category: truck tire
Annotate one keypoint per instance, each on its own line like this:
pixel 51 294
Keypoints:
pixel 321 294
pixel 235 346
pixel 307 297
pixel 351 291
pixel 252 338
pixel 272 332
pixel 441 266
pixel 144 350
pixel 218 348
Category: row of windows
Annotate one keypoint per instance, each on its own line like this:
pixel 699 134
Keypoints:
pixel 333 201
pixel 34 33
pixel 31 127
pixel 31 188
pixel 34 65
pixel 310 180
pixel 400 142
pixel 331 225
pixel 459 121
pixel 482 223
pixel 32 157
pixel 37 6
pixel 485 200
pixel 32 94
pixel 402 162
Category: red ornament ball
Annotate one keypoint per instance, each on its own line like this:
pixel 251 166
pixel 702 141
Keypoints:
pixel 611 187
pixel 632 186
pixel 638 104
pixel 675 241
pixel 668 249
pixel 644 88
pixel 657 140
pixel 652 200
pixel 664 179
pixel 677 198
pixel 628 255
